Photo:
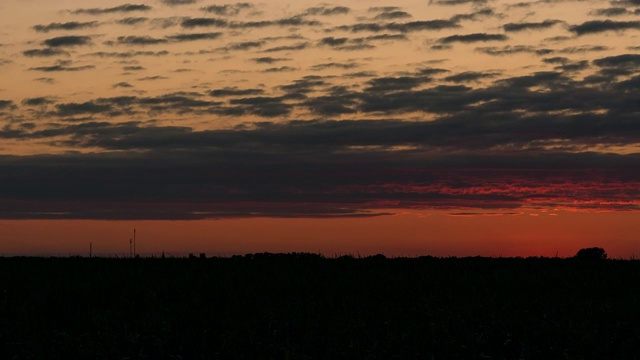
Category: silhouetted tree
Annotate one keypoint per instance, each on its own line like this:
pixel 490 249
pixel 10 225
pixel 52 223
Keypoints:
pixel 594 253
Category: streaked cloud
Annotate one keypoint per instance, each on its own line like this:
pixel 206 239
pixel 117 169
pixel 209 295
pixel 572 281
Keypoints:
pixel 72 25
pixel 178 2
pixel 597 26
pixel 227 9
pixel 45 52
pixel 471 38
pixel 64 41
pixel 117 9
pixel 523 26
pixel 62 65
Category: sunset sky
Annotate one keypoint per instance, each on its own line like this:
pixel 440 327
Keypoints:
pixel 431 127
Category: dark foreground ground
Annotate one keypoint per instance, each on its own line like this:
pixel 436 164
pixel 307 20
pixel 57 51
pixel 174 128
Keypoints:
pixel 302 306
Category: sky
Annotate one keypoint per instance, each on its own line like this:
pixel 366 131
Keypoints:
pixel 431 127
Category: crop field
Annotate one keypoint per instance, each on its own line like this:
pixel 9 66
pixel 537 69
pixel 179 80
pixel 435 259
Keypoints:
pixel 304 306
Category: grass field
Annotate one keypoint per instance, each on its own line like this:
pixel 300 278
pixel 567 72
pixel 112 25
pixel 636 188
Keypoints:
pixel 303 306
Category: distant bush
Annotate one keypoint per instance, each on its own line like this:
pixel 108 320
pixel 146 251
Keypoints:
pixel 594 253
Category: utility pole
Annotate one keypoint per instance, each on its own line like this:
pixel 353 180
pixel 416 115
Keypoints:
pixel 130 248
pixel 134 241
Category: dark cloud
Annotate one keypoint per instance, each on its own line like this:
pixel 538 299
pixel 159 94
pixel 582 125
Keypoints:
pixel 354 47
pixel 327 11
pixel 122 85
pixel 165 23
pixel 386 84
pixel 62 41
pixel 597 26
pixel 38 101
pixel 203 22
pixel 194 36
pixel 474 16
pixel 332 41
pixel 583 49
pixel 383 8
pixel 440 47
pixel 543 78
pixel 513 49
pixel 381 37
pixel 73 25
pixel 360 43
pixel 401 27
pixel 133 68
pixel 6 104
pixel 521 5
pixel 62 66
pixel 46 80
pixel 556 60
pixel 268 60
pixel 620 61
pixel 292 21
pixel 631 85
pixel 303 86
pixel 334 65
pixel 470 76
pixel 360 74
pixel 89 107
pixel 228 9
pixel 234 91
pixel 613 11
pixel 153 78
pixel 574 66
pixel 530 25
pixel 128 54
pixel 626 2
pixel 391 15
pixel 296 47
pixel 333 105
pixel 279 69
pixel 46 52
pixel 264 106
pixel 140 40
pixel 118 9
pixel 178 2
pixel 458 2
pixel 206 22
pixel 471 38
pixel 132 20
pixel 178 102
pixel 244 45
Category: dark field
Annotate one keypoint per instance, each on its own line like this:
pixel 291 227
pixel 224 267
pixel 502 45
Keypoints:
pixel 302 306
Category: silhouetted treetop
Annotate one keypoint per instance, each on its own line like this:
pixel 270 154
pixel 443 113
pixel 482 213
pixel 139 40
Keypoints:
pixel 594 253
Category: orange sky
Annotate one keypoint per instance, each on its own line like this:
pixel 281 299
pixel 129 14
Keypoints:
pixel 406 234
pixel 315 127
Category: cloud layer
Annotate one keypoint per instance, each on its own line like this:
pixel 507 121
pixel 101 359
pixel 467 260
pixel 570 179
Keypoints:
pixel 184 109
